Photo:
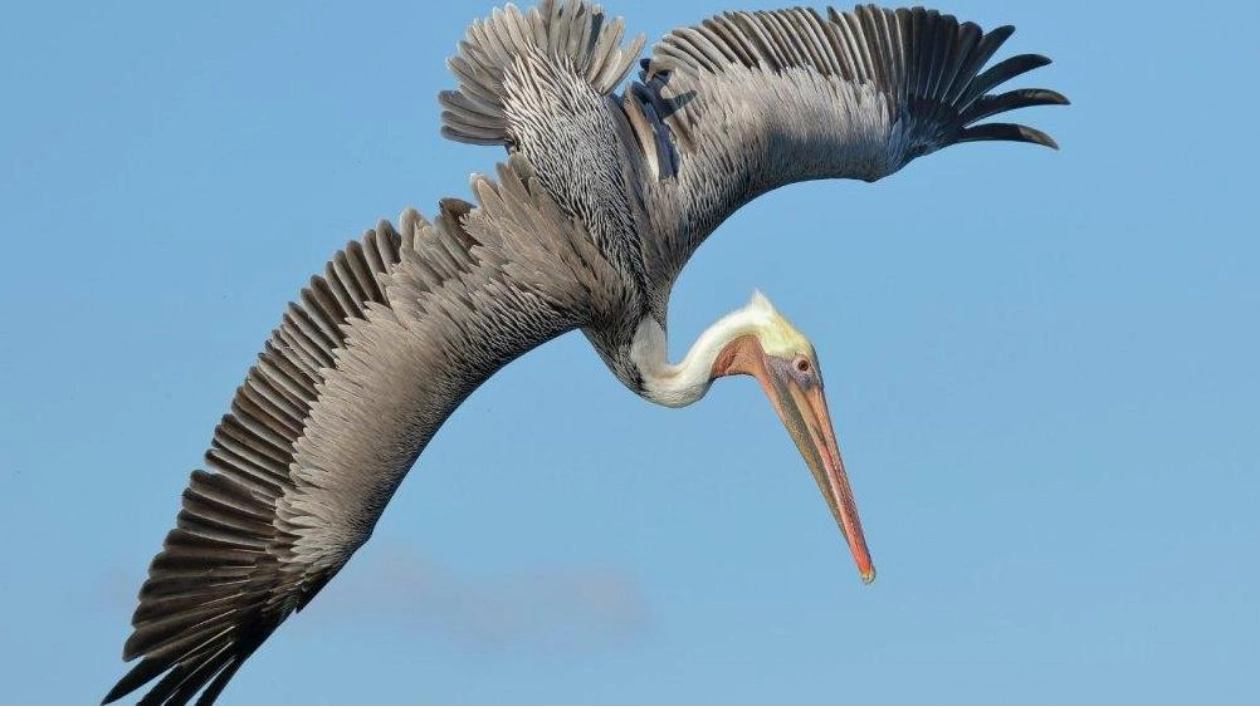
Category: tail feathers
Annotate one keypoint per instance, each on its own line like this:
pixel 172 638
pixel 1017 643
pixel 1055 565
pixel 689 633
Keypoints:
pixel 575 36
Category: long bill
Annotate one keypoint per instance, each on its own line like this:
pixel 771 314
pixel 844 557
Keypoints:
pixel 802 406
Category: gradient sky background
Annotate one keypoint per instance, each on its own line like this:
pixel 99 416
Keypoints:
pixel 1043 369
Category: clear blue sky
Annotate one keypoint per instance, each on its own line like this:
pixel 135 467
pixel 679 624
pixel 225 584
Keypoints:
pixel 1044 369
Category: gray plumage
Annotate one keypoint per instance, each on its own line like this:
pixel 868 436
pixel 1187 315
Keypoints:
pixel 601 203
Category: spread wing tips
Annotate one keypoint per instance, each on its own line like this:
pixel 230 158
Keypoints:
pixel 1002 72
pixel 202 611
pixel 978 104
pixel 933 70
pixel 211 668
pixel 220 585
pixel 991 105
pixel 143 672
pixel 1010 132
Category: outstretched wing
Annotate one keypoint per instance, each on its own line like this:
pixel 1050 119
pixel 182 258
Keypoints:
pixel 751 101
pixel 345 395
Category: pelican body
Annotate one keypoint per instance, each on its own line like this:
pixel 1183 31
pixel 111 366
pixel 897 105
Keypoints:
pixel 600 203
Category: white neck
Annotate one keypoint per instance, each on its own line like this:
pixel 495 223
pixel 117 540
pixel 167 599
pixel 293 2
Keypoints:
pixel 677 385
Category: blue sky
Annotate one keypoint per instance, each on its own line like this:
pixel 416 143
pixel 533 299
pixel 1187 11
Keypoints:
pixel 1042 367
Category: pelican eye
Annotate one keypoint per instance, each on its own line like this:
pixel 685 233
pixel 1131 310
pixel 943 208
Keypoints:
pixel 802 365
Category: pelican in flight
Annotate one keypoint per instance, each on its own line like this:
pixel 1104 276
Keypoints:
pixel 602 199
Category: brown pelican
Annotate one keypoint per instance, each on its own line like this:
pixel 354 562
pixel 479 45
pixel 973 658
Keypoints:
pixel 602 200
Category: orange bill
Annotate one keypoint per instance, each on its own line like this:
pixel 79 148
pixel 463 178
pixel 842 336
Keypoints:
pixel 798 398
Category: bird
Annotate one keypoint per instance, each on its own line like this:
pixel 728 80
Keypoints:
pixel 609 185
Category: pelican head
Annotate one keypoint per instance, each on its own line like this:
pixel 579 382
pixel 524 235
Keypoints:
pixel 757 341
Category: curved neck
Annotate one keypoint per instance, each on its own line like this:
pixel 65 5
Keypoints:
pixel 683 383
